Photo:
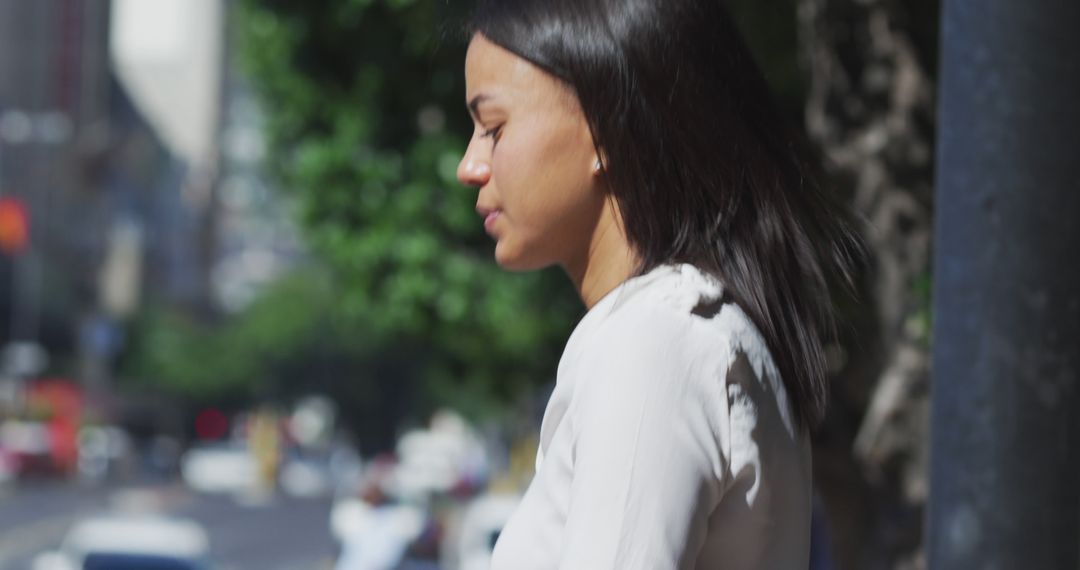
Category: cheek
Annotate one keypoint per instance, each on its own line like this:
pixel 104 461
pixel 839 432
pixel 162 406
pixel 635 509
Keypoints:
pixel 514 163
pixel 550 214
pixel 540 177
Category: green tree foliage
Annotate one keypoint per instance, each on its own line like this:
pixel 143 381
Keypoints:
pixel 366 123
pixel 292 341
pixel 240 358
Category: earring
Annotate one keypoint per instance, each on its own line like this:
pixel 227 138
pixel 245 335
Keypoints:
pixel 598 166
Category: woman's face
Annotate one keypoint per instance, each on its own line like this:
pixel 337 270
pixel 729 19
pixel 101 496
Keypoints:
pixel 532 157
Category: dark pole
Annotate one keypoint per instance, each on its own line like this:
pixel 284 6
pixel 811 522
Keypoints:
pixel 1005 452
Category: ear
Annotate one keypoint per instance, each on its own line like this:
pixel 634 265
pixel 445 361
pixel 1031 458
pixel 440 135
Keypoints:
pixel 599 163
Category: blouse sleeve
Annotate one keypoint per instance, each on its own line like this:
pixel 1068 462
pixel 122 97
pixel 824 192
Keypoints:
pixel 648 453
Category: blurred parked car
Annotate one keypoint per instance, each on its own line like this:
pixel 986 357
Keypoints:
pixel 131 542
pixel 220 468
pixel 27 447
pixel 320 472
pixel 303 476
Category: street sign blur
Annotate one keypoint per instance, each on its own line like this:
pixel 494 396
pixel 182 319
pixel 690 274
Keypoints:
pixel 14 226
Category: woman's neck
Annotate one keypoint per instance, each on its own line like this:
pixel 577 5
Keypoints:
pixel 608 261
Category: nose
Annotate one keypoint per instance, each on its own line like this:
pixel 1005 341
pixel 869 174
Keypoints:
pixel 474 168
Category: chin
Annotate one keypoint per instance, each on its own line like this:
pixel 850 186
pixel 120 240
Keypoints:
pixel 513 259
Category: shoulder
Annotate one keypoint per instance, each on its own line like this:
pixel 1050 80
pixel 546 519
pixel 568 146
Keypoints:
pixel 674 310
pixel 673 325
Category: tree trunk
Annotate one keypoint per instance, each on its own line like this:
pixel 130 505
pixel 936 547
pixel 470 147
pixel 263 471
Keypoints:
pixel 870 110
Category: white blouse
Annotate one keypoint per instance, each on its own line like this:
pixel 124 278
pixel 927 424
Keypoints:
pixel 667 443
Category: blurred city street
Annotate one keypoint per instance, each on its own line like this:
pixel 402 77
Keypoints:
pixel 257 490
pixel 243 533
pixel 177 388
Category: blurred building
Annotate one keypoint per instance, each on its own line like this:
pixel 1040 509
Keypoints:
pixel 110 117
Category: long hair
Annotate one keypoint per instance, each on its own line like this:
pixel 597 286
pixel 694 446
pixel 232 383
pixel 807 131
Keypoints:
pixel 698 160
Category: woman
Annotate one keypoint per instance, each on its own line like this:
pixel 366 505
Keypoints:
pixel 632 143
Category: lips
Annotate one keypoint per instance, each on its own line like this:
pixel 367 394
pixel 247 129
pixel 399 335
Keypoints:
pixel 490 215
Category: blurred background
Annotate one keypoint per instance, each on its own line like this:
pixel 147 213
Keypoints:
pixel 249 319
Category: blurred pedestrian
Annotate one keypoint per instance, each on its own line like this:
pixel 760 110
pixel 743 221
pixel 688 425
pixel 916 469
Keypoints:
pixel 376 531
pixel 264 439
pixel 634 144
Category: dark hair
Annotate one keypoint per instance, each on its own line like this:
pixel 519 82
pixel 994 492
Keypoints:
pixel 698 160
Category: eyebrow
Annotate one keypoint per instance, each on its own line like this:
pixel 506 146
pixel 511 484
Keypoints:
pixel 474 104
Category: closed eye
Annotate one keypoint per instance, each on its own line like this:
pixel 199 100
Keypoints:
pixel 492 133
